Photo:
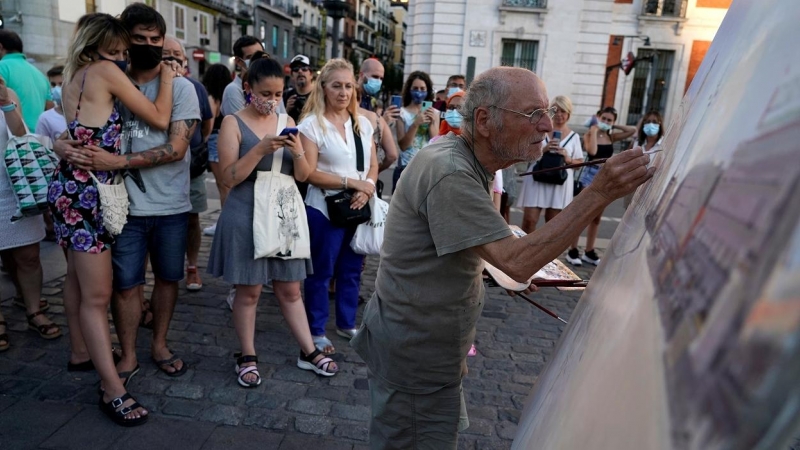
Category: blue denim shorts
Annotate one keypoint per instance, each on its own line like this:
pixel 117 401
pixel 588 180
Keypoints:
pixel 164 237
pixel 213 154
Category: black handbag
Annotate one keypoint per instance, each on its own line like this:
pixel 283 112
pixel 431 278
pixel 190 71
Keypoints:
pixel 198 162
pixel 339 212
pixel 551 160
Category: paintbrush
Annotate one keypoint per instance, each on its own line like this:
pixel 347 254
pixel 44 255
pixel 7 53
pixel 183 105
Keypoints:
pixel 576 165
pixel 559 283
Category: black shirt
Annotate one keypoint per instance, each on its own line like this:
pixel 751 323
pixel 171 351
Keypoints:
pixel 299 102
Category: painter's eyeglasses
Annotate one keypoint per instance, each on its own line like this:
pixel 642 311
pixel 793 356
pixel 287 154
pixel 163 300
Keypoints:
pixel 535 116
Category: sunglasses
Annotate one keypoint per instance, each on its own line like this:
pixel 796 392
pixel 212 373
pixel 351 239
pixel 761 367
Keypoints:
pixel 303 68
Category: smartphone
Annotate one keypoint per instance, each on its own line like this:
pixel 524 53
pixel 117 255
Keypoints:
pixel 556 135
pixel 397 101
pixel 426 105
pixel 288 131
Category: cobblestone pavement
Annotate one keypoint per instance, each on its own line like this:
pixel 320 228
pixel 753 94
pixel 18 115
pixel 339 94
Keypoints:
pixel 44 406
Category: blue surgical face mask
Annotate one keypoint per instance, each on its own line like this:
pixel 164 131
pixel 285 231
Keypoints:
pixel 651 129
pixel 123 65
pixel 372 86
pixel 452 90
pixel 56 93
pixel 419 96
pixel 453 117
pixel 603 126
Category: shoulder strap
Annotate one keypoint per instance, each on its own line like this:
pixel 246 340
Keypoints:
pixel 80 95
pixel 277 157
pixel 569 138
pixel 359 146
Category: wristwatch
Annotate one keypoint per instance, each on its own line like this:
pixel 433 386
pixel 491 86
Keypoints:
pixel 9 107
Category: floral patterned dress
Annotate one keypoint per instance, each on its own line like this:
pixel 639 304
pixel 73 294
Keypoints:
pixel 72 194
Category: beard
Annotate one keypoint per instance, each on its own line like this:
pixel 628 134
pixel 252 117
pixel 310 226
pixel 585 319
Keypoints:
pixel 520 151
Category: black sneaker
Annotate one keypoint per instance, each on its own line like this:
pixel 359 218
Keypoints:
pixel 574 257
pixel 590 256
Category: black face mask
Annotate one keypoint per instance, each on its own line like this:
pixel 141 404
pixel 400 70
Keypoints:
pixel 172 58
pixel 144 57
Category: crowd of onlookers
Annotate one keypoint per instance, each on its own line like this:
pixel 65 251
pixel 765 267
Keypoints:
pixel 123 115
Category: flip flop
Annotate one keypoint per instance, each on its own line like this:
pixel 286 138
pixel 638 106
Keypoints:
pixel 4 342
pixel 321 342
pixel 170 362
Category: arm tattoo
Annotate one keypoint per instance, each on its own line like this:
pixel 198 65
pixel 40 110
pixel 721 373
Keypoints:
pixel 183 129
pixel 154 157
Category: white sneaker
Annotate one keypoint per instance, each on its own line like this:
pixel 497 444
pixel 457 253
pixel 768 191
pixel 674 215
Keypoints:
pixel 591 257
pixel 210 231
pixel 231 296
pixel 574 257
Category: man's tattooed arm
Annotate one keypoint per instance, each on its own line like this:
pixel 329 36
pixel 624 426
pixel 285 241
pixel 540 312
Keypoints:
pixel 180 134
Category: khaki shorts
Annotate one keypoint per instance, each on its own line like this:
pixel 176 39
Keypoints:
pixel 405 421
pixel 197 194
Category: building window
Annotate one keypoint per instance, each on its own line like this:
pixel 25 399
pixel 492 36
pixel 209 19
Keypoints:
pixel 262 30
pixel 91 6
pixel 275 39
pixel 179 22
pixel 520 54
pixel 225 38
pixel 650 83
pixel 151 3
pixel 667 8
pixel 285 43
pixel 203 23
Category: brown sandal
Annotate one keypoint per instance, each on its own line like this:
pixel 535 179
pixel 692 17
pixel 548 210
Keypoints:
pixel 4 342
pixel 43 305
pixel 43 329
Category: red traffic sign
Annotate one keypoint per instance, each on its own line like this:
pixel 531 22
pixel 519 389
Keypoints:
pixel 628 62
pixel 199 55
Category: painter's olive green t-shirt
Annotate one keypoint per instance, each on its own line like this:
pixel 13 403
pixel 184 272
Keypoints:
pixel 420 323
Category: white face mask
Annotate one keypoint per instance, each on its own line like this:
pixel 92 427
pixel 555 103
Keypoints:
pixel 603 126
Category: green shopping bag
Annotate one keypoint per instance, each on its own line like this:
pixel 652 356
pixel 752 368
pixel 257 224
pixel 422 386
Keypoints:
pixel 30 165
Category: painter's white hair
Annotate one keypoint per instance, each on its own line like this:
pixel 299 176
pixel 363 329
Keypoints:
pixel 183 48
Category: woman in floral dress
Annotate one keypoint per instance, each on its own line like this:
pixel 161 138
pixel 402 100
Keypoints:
pixel 97 58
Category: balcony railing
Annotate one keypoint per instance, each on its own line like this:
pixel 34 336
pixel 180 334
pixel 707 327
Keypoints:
pixel 306 31
pixel 286 7
pixel 665 8
pixel 539 4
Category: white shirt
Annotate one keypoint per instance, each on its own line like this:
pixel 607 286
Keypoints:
pixel 51 124
pixel 335 155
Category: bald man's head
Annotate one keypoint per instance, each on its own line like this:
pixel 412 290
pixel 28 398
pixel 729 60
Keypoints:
pixel 370 69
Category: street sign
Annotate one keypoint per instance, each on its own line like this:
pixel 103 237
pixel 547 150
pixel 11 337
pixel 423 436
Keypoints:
pixel 213 57
pixel 628 62
pixel 199 54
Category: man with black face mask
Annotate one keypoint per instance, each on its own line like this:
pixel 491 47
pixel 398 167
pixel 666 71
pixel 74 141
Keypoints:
pixel 158 214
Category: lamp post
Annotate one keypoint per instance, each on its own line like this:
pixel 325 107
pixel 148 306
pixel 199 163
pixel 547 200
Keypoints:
pixel 336 10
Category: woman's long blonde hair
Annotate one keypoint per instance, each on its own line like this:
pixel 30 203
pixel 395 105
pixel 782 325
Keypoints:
pixel 316 101
pixel 93 32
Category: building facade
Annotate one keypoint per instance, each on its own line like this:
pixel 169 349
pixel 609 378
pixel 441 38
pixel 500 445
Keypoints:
pixel 575 46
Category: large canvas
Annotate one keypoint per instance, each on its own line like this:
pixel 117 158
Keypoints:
pixel 688 336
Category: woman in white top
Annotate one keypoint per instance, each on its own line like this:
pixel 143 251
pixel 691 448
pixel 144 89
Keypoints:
pixel 536 196
pixel 328 130
pixel 19 240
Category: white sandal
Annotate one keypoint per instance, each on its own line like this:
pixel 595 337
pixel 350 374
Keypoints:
pixel 241 371
pixel 321 367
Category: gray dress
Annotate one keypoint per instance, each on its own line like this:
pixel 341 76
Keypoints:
pixel 232 252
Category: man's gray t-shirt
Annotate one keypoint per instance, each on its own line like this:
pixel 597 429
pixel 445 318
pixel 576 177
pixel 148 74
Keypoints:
pixel 419 325
pixel 167 185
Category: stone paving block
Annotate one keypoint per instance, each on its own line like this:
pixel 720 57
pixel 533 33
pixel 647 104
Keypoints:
pixel 480 427
pixel 265 400
pixel 466 442
pixel 182 408
pixel 164 433
pixel 509 414
pixel 60 391
pixel 89 429
pixel 351 412
pixel 358 397
pixel 39 372
pixel 492 444
pixel 336 394
pixel 361 383
pixel 224 414
pixel 301 442
pixel 519 401
pixel 149 385
pixel 294 374
pixel 481 412
pixel 10 367
pixel 226 438
pixel 358 432
pixel 506 430
pixel 489 399
pixel 185 390
pixel 499 365
pixel 211 350
pixel 311 406
pixel 6 401
pixel 34 422
pixel 19 386
pixel 266 418
pixel 513 388
pixel 228 395
pixel 313 425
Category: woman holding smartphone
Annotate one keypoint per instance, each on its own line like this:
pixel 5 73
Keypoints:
pixel 247 144
pixel 419 124
pixel 552 198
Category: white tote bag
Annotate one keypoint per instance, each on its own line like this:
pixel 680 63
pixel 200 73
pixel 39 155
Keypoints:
pixel 280 225
pixel 114 203
pixel 369 235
